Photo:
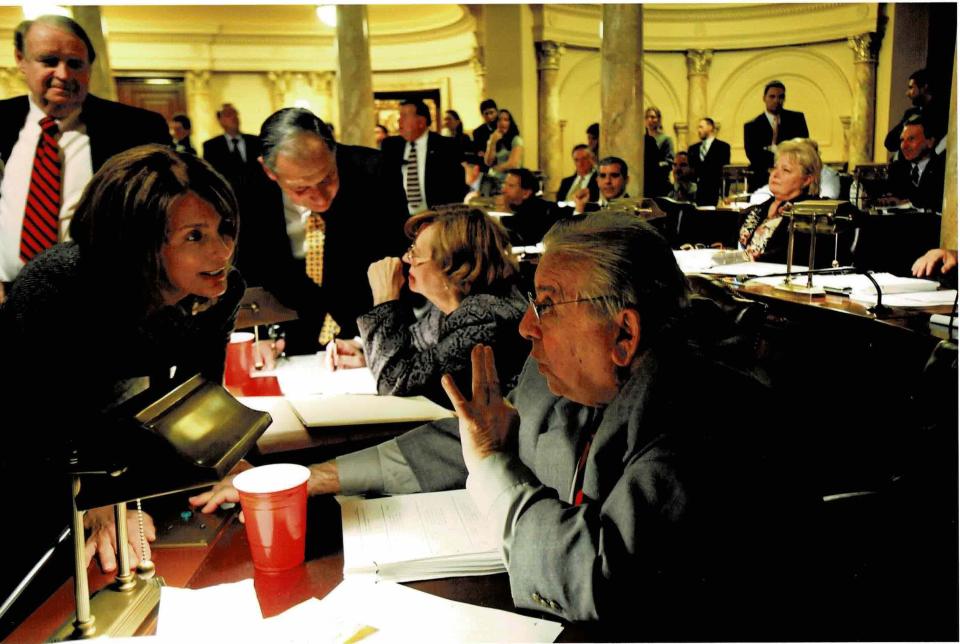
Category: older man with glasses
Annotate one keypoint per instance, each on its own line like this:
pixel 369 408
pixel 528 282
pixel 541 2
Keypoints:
pixel 616 492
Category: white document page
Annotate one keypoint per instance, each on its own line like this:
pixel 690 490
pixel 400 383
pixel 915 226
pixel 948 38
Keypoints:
pixel 362 611
pixel 921 299
pixel 307 376
pixel 417 536
pixel 352 409
pixel 861 284
pixel 203 614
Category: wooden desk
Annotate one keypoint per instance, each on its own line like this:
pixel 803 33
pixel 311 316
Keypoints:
pixel 228 560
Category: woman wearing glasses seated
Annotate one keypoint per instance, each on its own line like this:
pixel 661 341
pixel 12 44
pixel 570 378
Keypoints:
pixel 460 261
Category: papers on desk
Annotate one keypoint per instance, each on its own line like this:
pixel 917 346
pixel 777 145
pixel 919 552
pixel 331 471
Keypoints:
pixel 726 262
pixel 920 299
pixel 860 286
pixel 354 611
pixel 207 614
pixel 359 611
pixel 306 376
pixel 352 409
pixel 416 536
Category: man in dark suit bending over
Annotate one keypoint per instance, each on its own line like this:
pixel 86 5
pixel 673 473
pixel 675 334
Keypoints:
pixel 54 55
pixel 762 134
pixel 426 164
pixel 343 187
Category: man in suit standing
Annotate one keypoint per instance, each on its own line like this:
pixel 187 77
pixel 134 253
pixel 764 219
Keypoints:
pixel 180 128
pixel 918 175
pixel 707 159
pixel 78 129
pixel 233 154
pixel 584 177
pixel 762 134
pixel 489 111
pixel 347 189
pixel 425 163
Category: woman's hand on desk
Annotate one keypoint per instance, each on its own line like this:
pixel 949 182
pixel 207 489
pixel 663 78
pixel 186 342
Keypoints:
pixel 222 492
pixel 386 279
pixel 344 354
pixel 102 541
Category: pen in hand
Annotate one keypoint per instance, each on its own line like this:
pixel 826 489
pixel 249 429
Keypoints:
pixel 332 358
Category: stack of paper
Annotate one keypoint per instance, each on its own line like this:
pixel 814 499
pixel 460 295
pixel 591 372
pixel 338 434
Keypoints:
pixel 417 536
pixel 307 376
pixel 354 611
pixel 353 409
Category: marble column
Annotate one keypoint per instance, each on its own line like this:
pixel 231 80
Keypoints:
pixel 354 76
pixel 200 107
pixel 948 223
pixel 101 76
pixel 548 96
pixel 621 89
pixel 862 118
pixel 698 76
pixel 680 131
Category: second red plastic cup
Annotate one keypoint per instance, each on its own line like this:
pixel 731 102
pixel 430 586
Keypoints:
pixel 274 502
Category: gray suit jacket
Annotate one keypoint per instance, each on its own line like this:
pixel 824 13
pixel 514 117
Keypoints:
pixel 672 522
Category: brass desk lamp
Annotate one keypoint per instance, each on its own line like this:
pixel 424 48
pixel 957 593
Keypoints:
pixel 188 437
pixel 816 218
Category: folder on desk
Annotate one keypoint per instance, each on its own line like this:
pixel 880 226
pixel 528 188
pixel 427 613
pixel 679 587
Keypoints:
pixel 359 409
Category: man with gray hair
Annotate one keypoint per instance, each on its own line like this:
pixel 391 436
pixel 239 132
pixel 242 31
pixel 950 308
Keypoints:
pixel 55 138
pixel 613 498
pixel 341 188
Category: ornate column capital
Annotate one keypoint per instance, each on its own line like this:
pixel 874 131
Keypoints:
pixel 321 82
pixel 698 61
pixel 548 54
pixel 865 47
pixel 198 82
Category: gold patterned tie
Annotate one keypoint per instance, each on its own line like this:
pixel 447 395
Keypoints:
pixel 314 238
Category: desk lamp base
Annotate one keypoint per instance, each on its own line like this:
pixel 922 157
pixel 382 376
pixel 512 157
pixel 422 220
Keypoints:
pixel 800 289
pixel 117 613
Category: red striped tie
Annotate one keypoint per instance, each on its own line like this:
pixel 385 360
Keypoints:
pixel 42 215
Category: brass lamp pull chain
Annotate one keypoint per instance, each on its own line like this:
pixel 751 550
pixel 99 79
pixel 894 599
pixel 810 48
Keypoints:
pixel 145 567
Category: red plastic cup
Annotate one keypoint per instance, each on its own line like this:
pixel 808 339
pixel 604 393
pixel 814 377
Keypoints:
pixel 274 502
pixel 236 371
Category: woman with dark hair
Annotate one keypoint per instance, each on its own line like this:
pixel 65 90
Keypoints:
pixel 504 147
pixel 453 127
pixel 144 296
pixel 653 120
pixel 460 261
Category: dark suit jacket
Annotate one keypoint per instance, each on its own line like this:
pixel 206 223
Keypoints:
pixel 481 135
pixel 530 221
pixel 363 224
pixel 568 181
pixel 112 127
pixel 443 174
pixel 757 135
pixel 929 194
pixel 709 172
pixel 217 153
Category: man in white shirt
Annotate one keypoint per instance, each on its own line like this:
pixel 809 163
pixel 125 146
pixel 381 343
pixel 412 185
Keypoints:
pixel 762 134
pixel 428 164
pixel 54 55
pixel 584 177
